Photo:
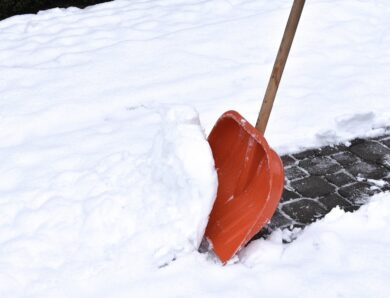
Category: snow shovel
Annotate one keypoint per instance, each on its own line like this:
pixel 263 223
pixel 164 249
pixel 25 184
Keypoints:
pixel 250 173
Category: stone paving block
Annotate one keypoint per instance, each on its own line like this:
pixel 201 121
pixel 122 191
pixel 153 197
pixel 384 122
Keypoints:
pixel 313 187
pixel 288 195
pixel 340 179
pixel 329 150
pixel 320 165
pixel 357 141
pixel 279 220
pixel 367 170
pixel 357 192
pixel 305 154
pixel 332 200
pixel 386 142
pixel 371 151
pixel 288 160
pixel 352 208
pixel 294 172
pixel 346 158
pixel 304 211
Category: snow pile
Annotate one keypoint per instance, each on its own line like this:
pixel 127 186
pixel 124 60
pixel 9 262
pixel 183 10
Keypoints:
pixel 118 197
pixel 342 255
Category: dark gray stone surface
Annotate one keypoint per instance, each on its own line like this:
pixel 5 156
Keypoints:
pixel 340 178
pixel 320 165
pixel 328 150
pixel 279 220
pixel 357 192
pixel 305 154
pixel 313 187
pixel 293 173
pixel 288 160
pixel 317 180
pixel 370 151
pixel 289 195
pixel 304 211
pixel 346 158
pixel 333 200
pixel 386 142
pixel 367 170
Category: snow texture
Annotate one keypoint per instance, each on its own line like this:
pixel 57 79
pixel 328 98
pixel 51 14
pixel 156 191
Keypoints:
pixel 106 175
pixel 123 194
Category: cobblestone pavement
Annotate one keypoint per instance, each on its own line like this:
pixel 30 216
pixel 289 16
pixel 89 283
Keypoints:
pixel 318 180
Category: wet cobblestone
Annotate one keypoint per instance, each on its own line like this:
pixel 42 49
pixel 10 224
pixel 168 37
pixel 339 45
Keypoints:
pixel 317 180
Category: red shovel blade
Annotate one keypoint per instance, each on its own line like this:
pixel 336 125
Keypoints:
pixel 250 184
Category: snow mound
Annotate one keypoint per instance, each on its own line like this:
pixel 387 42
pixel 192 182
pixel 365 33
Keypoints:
pixel 123 195
pixel 343 255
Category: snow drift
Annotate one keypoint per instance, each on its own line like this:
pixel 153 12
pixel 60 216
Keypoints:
pixel 129 193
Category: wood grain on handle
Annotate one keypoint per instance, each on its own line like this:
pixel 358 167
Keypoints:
pixel 280 62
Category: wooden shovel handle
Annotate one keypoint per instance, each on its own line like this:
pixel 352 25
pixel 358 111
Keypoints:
pixel 279 64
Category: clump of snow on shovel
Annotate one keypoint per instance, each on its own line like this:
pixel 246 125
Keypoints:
pixel 181 181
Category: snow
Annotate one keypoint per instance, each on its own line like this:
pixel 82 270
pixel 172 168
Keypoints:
pixel 85 201
pixel 107 179
pixel 343 255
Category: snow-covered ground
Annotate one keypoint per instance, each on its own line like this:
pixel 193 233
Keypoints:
pixel 106 175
